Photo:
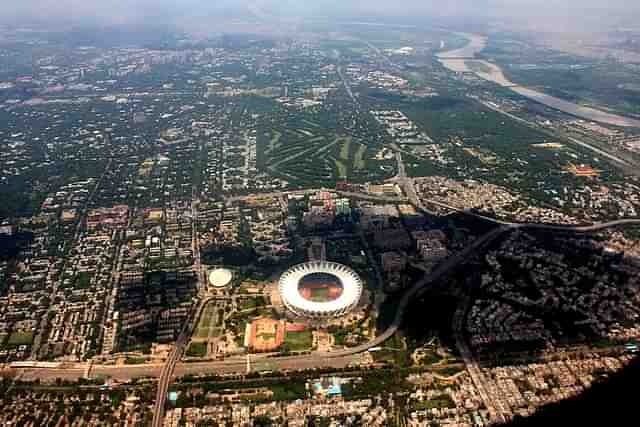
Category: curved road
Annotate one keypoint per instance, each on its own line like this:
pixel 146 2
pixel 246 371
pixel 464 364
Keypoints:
pixel 415 291
pixel 447 267
pixel 579 228
pixel 459 258
pixel 419 287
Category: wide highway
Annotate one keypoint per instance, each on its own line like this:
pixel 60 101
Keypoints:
pixel 340 357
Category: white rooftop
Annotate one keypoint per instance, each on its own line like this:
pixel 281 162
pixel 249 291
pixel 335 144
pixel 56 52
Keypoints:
pixel 220 277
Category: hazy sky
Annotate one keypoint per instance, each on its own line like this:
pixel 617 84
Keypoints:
pixel 133 10
pixel 547 12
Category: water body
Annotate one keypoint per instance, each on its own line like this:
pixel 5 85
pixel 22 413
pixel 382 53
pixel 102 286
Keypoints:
pixel 461 61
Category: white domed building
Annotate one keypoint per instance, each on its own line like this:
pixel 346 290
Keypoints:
pixel 219 278
pixel 320 289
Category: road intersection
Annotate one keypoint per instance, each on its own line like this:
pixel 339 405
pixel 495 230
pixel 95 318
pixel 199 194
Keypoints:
pixel 339 358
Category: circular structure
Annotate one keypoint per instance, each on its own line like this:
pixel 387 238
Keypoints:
pixel 220 277
pixel 320 289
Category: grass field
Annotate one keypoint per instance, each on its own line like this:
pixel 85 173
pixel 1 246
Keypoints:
pixel 344 149
pixel 134 360
pixel 251 303
pixel 298 341
pixel 358 162
pixel 275 141
pixel 197 349
pixel 342 169
pixel 208 321
pixel 20 338
pixel 202 333
pixel 288 392
pixel 442 401
pixel 305 153
pixel 321 294
pixel 239 330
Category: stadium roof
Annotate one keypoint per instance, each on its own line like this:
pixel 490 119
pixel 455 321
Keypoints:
pixel 293 299
pixel 220 277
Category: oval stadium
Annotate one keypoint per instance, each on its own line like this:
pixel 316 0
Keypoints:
pixel 320 289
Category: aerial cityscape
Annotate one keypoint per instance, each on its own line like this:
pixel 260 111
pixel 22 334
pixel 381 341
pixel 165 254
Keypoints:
pixel 264 213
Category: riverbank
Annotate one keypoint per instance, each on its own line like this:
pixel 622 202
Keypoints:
pixel 463 61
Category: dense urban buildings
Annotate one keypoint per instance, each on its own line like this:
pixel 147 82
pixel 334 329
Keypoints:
pixel 319 224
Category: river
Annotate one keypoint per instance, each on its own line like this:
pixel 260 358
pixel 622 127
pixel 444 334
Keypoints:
pixel 461 61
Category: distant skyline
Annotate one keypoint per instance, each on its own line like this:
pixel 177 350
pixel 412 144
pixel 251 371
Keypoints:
pixel 578 15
